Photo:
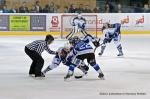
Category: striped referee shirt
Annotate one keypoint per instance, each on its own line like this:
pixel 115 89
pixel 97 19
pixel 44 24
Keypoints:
pixel 39 46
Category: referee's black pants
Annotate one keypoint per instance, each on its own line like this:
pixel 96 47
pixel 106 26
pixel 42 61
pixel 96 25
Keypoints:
pixel 37 62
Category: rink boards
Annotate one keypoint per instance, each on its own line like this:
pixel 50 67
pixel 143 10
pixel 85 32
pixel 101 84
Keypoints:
pixel 41 24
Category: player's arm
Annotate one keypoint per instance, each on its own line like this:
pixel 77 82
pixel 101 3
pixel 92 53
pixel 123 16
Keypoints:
pixel 49 51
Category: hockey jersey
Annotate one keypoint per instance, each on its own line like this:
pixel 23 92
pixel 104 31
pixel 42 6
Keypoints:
pixel 117 27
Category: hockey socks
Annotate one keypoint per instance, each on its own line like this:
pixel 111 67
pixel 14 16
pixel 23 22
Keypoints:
pixel 70 72
pixel 97 68
pixel 102 50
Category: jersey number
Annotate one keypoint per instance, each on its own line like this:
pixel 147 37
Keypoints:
pixel 85 46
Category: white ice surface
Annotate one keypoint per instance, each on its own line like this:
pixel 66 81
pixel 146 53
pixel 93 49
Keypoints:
pixel 128 74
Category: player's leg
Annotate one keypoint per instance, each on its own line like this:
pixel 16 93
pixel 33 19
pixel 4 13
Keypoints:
pixel 120 50
pixel 91 60
pixel 78 61
pixel 55 63
pixel 46 69
pixel 75 62
pixel 107 39
pixel 81 64
pixel 103 46
pixel 118 45
pixel 83 67
pixel 70 71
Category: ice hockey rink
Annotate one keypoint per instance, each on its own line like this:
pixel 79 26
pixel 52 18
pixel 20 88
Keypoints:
pixel 126 77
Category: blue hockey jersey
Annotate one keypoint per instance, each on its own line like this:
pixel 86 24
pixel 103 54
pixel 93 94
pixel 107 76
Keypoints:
pixel 117 27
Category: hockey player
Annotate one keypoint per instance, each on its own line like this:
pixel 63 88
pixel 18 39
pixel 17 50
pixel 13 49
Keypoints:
pixel 60 56
pixel 83 50
pixel 112 32
pixel 78 26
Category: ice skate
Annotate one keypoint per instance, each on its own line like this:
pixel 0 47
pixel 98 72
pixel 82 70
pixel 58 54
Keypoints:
pixel 67 76
pixel 120 54
pixel 40 76
pixel 101 76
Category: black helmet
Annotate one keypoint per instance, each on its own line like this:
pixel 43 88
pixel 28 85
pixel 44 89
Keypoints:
pixel 49 38
pixel 74 40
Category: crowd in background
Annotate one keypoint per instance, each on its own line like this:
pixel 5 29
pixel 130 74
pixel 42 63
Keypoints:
pixel 109 7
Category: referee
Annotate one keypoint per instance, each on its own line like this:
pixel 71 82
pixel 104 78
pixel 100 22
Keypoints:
pixel 34 50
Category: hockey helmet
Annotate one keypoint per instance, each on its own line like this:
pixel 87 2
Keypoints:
pixel 73 41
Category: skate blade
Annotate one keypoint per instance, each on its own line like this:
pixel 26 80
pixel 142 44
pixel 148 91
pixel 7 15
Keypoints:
pixel 31 75
pixel 120 57
pixel 70 79
pixel 39 78
pixel 102 78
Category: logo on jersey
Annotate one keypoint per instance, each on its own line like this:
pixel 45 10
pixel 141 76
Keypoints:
pixel 140 20
pixel 55 21
pixel 125 20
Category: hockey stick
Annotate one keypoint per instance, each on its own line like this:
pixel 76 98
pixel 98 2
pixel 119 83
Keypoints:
pixel 81 76
pixel 73 30
pixel 84 32
pixel 72 33
pixel 78 77
pixel 67 37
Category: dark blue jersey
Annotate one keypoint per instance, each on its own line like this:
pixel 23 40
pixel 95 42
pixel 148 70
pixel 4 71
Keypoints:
pixel 117 27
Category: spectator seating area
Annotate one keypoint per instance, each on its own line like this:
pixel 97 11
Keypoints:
pixel 64 6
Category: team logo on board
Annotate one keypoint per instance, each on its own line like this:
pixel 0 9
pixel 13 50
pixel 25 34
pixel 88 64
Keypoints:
pixel 55 21
pixel 125 20
pixel 140 20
